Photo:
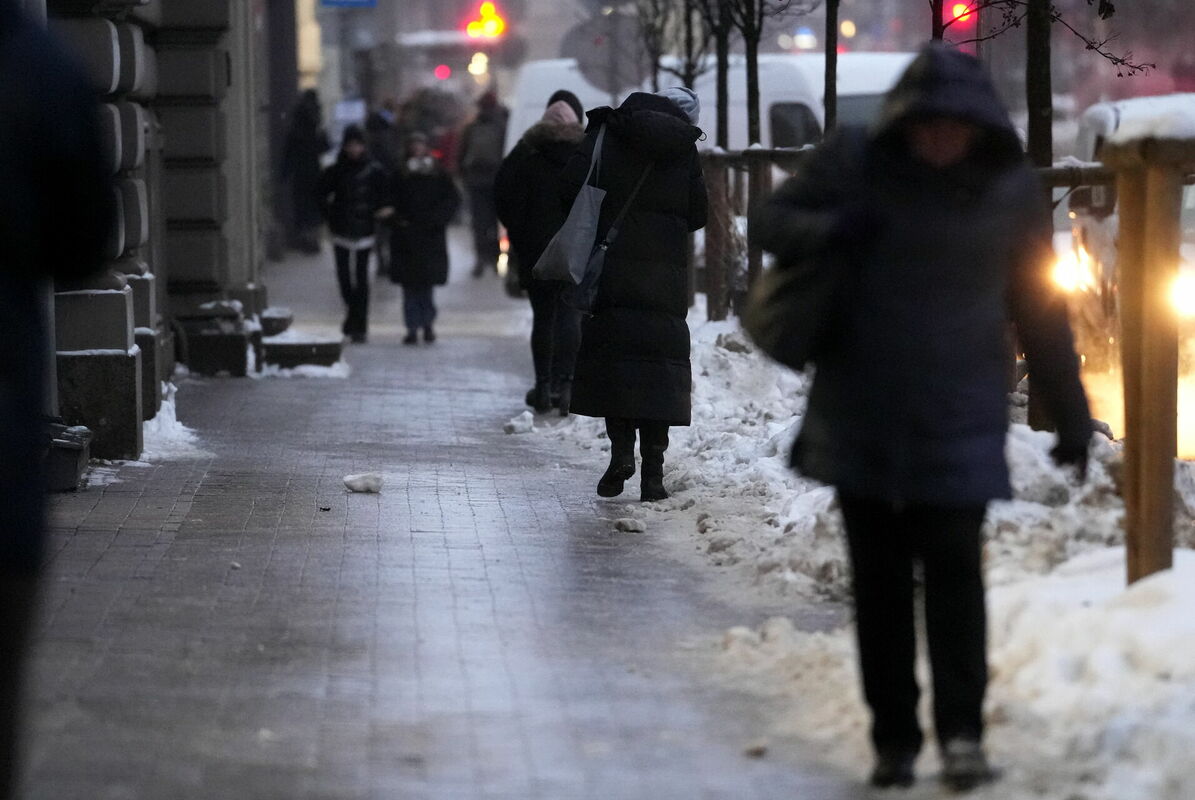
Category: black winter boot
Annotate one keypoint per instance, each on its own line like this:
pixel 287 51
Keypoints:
pixel 653 443
pixel 894 768
pixel 564 397
pixel 964 765
pixel 622 457
pixel 540 398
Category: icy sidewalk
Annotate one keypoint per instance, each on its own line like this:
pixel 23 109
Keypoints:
pixel 1082 669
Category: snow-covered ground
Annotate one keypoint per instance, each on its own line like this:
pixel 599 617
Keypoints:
pixel 1093 687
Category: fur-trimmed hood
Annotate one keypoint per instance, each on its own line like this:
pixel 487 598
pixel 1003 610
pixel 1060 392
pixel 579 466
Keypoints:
pixel 547 132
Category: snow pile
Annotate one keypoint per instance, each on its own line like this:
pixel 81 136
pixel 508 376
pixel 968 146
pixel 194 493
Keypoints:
pixel 523 423
pixel 167 439
pixel 340 370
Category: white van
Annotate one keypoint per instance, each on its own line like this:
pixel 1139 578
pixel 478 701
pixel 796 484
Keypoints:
pixel 863 81
pixel 790 109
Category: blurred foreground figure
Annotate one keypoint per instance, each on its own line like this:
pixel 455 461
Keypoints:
pixel 481 148
pixel 306 143
pixel 52 181
pixel 924 236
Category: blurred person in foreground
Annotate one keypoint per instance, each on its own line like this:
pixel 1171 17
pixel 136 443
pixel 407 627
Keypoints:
pixel 939 233
pixel 306 142
pixel 530 209
pixel 51 175
pixel 479 156
pixel 425 200
pixel 633 366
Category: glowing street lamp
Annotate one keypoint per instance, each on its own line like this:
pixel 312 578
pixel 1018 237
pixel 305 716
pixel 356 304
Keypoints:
pixel 488 24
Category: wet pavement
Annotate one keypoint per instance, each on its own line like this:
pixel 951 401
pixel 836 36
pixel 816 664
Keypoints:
pixel 236 625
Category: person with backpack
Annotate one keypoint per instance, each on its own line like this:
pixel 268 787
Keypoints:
pixel 532 216
pixel 425 200
pixel 353 194
pixel 901 253
pixel 479 158
pixel 633 365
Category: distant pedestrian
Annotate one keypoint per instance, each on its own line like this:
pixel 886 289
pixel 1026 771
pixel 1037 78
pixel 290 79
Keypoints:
pixel 306 143
pixel 530 209
pixel 354 195
pixel 934 231
pixel 480 155
pixel 633 365
pixel 425 200
pixel 51 173
pixel 384 139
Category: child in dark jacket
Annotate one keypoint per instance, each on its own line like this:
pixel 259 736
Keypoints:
pixel 352 194
pixel 425 201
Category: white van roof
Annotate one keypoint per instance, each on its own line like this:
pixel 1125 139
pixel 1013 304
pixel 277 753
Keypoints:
pixel 858 73
pixel 536 82
pixel 1101 121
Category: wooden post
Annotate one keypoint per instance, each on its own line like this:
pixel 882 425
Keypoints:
pixel 1130 271
pixel 1151 530
pixel 759 189
pixel 717 234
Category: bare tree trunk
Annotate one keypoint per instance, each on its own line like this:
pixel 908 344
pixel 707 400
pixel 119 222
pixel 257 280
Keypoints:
pixel 689 68
pixel 723 50
pixel 1038 83
pixel 751 51
pixel 938 13
pixel 830 98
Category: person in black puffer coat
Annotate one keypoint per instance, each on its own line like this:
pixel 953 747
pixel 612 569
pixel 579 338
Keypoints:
pixel 532 216
pixel 353 196
pixel 633 366
pixel 425 201
pixel 946 234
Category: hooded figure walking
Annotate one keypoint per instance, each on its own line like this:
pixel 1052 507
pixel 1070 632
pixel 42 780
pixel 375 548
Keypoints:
pixel 633 365
pixel 940 233
pixel 353 194
pixel 306 142
pixel 532 216
pixel 425 201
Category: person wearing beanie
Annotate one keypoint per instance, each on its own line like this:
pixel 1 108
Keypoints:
pixel 530 209
pixel 633 365
pixel 482 145
pixel 353 195
pixel 686 100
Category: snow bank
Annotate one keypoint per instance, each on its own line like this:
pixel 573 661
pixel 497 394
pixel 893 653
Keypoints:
pixel 167 439
pixel 340 371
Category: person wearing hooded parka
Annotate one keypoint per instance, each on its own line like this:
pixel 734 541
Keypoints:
pixel 532 216
pixel 940 233
pixel 633 366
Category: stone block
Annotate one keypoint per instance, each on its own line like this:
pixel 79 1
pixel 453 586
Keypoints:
pixel 97 43
pixel 111 138
pixel 94 319
pixel 151 372
pixel 102 390
pixel 149 86
pixel 70 450
pixel 134 124
pixel 147 12
pixel 194 133
pixel 115 245
pixel 251 296
pixel 195 194
pixel 291 353
pixel 131 41
pixel 135 201
pixel 197 256
pixel 215 346
pixel 145 300
pixel 198 72
pixel 197 14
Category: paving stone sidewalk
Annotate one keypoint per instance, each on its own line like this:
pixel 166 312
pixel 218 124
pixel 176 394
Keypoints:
pixel 237 626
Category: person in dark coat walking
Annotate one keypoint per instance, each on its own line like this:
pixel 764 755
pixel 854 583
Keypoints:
pixel 354 195
pixel 480 155
pixel 633 365
pixel 306 142
pixel 943 234
pixel 56 212
pixel 532 215
pixel 425 201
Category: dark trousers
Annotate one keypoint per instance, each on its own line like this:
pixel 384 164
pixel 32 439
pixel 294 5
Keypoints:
pixel 884 542
pixel 653 438
pixel 418 307
pixel 555 331
pixel 483 212
pixel 354 288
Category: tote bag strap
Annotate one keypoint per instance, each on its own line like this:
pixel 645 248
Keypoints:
pixel 595 161
pixel 613 231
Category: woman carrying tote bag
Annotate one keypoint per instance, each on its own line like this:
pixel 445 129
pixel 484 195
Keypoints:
pixel 633 367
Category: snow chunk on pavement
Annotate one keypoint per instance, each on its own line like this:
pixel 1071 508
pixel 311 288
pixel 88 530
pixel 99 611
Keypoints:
pixel 523 423
pixel 367 482
pixel 628 525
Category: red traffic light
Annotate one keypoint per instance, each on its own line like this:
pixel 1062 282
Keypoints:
pixel 443 72
pixel 961 14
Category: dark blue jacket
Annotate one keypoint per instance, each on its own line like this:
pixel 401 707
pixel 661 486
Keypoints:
pixel 56 209
pixel 909 404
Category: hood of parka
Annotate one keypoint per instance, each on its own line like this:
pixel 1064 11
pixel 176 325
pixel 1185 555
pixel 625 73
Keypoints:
pixel 546 133
pixel 944 82
pixel 649 123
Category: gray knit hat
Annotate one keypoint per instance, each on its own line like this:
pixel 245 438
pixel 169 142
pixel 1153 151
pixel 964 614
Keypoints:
pixel 685 99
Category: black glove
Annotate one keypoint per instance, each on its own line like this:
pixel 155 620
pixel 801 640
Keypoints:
pixel 1072 453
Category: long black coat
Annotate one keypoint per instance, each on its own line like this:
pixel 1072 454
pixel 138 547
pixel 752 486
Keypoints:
pixel 634 357
pixel 909 403
pixel 526 190
pixel 306 142
pixel 424 204
pixel 351 192
pixel 56 210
